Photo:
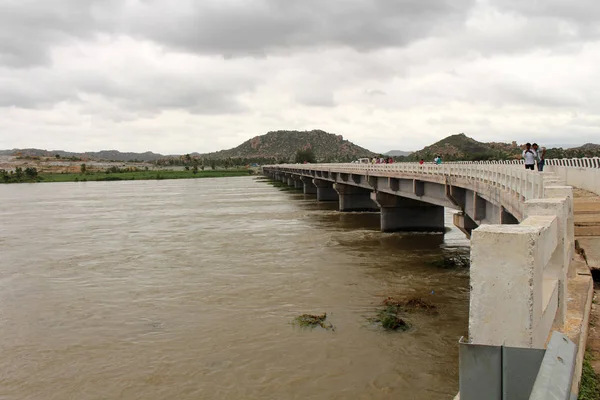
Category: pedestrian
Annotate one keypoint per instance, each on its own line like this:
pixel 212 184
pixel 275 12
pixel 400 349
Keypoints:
pixel 438 160
pixel 422 161
pixel 541 156
pixel 530 156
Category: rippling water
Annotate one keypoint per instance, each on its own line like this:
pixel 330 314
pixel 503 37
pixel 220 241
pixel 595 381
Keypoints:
pixel 186 289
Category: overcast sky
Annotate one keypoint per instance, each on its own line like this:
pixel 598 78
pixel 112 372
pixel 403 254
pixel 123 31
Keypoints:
pixel 203 75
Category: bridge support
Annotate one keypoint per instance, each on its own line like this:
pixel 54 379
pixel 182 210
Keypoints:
pixel 353 198
pixel 463 222
pixel 308 185
pixel 403 214
pixel 298 183
pixel 325 190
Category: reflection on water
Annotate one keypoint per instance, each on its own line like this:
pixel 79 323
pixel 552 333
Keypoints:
pixel 185 289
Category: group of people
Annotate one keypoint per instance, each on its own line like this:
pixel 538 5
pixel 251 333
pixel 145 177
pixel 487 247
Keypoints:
pixel 437 160
pixel 534 155
pixel 379 160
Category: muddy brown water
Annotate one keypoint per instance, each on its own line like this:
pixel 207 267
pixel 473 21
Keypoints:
pixel 186 289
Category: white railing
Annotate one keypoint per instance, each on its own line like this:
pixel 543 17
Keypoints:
pixel 525 184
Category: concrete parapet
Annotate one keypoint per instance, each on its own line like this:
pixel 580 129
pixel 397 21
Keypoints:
pixel 506 303
pixel 557 266
pixel 403 214
pixel 565 192
pixel 325 190
pixel 354 198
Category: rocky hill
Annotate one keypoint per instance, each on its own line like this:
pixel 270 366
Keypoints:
pixel 283 145
pixel 462 147
pixel 109 155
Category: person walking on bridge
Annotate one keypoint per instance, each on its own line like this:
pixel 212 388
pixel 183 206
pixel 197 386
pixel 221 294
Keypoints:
pixel 530 156
pixel 541 156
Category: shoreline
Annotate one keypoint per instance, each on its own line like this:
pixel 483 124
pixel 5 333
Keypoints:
pixel 128 176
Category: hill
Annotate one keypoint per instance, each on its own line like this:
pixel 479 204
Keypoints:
pixel 110 155
pixel 462 147
pixel 283 145
pixel 398 153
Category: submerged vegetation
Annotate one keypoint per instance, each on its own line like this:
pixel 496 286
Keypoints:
pixel 312 321
pixel 392 316
pixel 284 187
pixel 452 261
pixel 114 174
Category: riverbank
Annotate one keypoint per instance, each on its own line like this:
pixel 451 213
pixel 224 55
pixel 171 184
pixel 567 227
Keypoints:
pixel 127 176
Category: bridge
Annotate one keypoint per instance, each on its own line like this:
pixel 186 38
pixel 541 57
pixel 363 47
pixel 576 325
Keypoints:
pixel 521 226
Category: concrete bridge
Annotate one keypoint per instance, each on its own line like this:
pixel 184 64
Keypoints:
pixel 520 223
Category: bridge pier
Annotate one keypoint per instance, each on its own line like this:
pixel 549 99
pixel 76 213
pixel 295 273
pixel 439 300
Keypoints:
pixel 354 198
pixel 325 190
pixel 403 214
pixel 298 183
pixel 309 187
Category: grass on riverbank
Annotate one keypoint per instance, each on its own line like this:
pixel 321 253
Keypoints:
pixel 137 175
pixel 589 388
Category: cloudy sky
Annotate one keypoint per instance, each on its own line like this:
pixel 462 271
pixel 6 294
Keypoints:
pixel 203 75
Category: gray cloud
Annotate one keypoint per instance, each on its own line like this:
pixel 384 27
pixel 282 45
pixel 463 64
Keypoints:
pixel 414 69
pixel 28 29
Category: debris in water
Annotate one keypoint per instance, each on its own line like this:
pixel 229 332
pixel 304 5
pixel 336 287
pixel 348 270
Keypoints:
pixel 311 321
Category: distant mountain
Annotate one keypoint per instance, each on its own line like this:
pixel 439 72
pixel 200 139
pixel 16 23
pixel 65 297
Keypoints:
pixel 397 153
pixel 283 145
pixel 112 155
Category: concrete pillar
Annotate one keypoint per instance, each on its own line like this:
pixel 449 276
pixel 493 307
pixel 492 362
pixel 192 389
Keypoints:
pixel 309 186
pixel 403 214
pixel 354 198
pixel 290 181
pixel 298 184
pixel 463 222
pixel 325 190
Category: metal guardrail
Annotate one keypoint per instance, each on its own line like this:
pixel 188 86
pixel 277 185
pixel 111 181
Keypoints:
pixel 509 373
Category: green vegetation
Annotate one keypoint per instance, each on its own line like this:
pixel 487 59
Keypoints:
pixel 390 319
pixel 392 316
pixel 312 321
pixel 451 261
pixel 115 174
pixel 19 175
pixel 306 155
pixel 284 187
pixel 589 388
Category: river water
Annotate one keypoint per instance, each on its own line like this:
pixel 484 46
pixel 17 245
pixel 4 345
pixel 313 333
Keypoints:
pixel 187 289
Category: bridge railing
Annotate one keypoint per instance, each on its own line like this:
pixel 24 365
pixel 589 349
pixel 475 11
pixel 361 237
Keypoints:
pixel 524 184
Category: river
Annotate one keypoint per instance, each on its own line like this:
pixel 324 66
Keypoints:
pixel 187 289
